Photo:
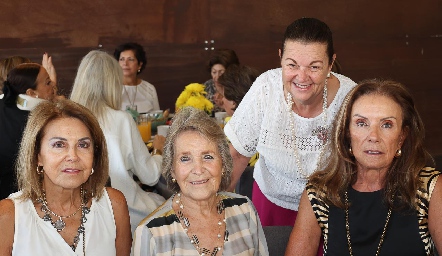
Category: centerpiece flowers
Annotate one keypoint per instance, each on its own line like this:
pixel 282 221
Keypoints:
pixel 194 96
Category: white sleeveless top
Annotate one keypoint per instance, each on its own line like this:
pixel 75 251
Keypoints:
pixel 34 236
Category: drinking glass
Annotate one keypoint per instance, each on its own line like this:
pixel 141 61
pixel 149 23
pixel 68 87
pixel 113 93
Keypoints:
pixel 145 127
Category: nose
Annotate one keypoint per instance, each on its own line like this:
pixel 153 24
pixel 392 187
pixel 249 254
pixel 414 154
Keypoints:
pixel 198 167
pixel 302 73
pixel 373 134
pixel 72 155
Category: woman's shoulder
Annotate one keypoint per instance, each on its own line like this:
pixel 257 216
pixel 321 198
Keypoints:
pixel 428 177
pixel 115 195
pixel 145 84
pixel 7 213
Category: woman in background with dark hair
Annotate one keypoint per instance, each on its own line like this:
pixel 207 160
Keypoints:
pixel 138 94
pixel 219 61
pixel 25 87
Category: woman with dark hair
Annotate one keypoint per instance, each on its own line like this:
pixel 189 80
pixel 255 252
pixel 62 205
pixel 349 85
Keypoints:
pixel 26 86
pixel 138 95
pixel 219 61
pixel 234 84
pixel 287 116
pixel 375 196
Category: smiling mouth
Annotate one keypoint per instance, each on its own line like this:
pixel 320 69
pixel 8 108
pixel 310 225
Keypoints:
pixel 198 182
pixel 302 86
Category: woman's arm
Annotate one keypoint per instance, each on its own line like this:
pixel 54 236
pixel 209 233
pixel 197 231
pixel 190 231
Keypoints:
pixel 239 165
pixel 7 222
pixel 123 241
pixel 435 215
pixel 304 239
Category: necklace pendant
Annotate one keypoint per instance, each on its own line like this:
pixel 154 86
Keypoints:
pixel 47 217
pixel 59 225
pixel 321 133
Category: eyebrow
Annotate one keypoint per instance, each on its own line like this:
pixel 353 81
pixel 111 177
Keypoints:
pixel 311 63
pixel 64 139
pixel 385 118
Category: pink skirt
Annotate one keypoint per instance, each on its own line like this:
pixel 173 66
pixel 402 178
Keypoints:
pixel 271 214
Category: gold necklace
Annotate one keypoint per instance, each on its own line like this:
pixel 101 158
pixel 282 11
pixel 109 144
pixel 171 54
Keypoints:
pixel 321 132
pixel 347 227
pixel 193 238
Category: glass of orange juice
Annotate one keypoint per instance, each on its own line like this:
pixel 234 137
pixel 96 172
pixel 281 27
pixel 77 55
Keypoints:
pixel 145 127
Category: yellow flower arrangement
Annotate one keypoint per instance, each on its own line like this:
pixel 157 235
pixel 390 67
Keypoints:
pixel 194 96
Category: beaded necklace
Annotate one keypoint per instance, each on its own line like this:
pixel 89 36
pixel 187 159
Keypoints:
pixel 59 224
pixel 321 132
pixel 193 238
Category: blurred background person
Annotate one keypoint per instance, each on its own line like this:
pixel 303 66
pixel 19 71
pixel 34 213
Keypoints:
pixel 287 116
pixel 98 86
pixel 233 85
pixel 219 60
pixel 62 207
pixel 200 218
pixel 374 197
pixel 25 87
pixel 7 64
pixel 136 92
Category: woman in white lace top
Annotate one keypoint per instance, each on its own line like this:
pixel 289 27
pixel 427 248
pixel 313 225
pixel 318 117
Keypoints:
pixel 287 116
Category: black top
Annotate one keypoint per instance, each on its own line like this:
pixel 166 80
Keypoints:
pixel 12 124
pixel 367 216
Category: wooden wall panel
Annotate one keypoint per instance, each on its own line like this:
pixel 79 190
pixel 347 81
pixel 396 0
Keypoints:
pixel 388 39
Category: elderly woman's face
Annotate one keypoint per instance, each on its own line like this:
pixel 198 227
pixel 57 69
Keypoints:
pixel 66 153
pixel 197 166
pixel 375 131
pixel 304 69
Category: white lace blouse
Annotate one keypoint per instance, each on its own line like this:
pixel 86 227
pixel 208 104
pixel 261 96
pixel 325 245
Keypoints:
pixel 261 124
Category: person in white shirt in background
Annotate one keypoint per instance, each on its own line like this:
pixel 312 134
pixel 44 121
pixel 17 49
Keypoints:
pixel 136 92
pixel 97 86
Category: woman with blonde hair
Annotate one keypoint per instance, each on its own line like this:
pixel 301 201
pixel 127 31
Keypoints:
pixel 98 87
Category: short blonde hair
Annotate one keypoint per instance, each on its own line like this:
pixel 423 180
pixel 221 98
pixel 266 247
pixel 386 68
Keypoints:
pixel 192 119
pixel 98 83
pixel 29 181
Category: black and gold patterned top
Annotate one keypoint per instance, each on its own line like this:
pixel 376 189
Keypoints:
pixel 407 231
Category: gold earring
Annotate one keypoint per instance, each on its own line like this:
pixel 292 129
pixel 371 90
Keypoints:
pixel 173 180
pixel 39 172
pixel 92 172
pixel 328 75
pixel 398 153
pixel 351 151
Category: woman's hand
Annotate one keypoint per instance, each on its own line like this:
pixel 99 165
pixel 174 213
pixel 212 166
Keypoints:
pixel 47 64
pixel 158 142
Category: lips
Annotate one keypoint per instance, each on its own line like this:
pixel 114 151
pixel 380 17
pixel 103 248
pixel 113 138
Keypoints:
pixel 71 170
pixel 373 152
pixel 199 182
